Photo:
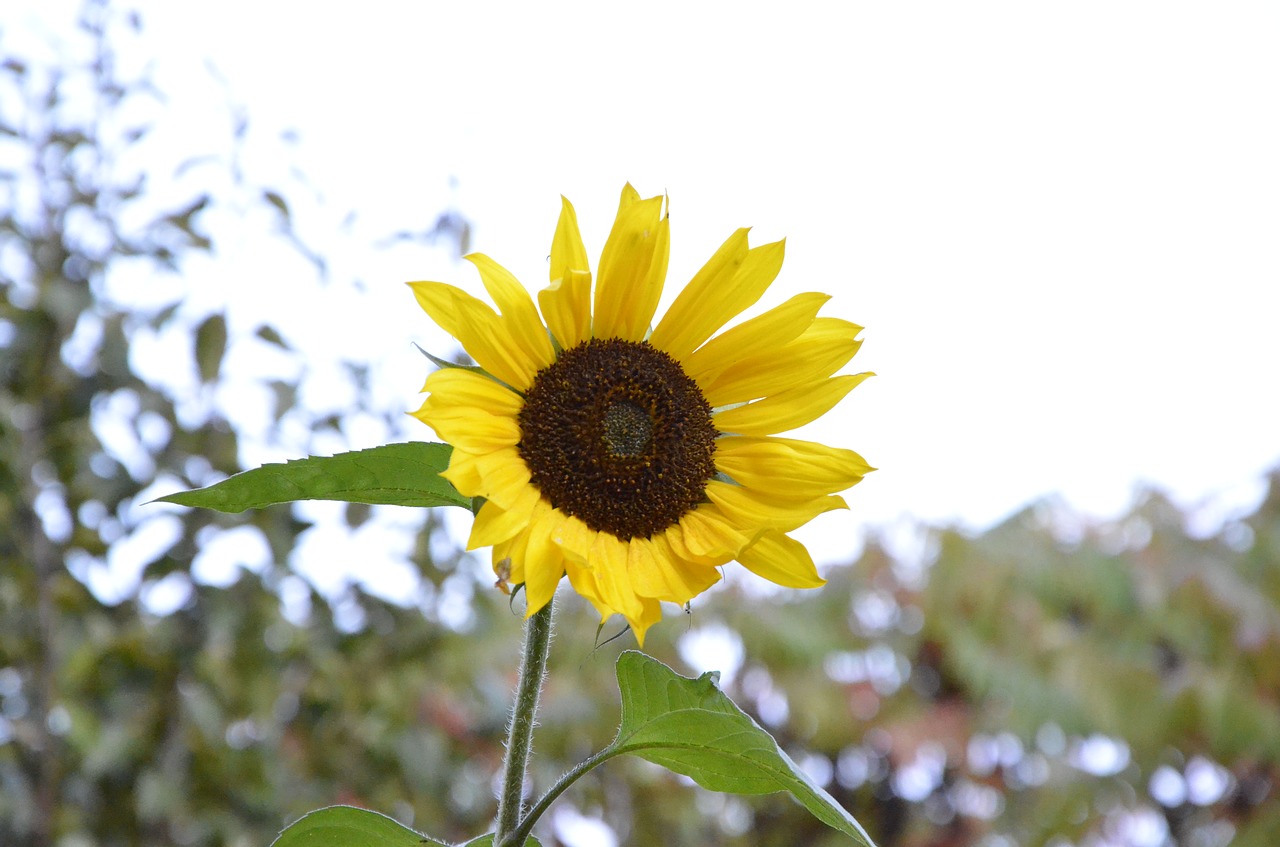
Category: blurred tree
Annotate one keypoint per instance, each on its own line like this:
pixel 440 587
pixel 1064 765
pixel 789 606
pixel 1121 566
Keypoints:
pixel 1048 682
pixel 114 686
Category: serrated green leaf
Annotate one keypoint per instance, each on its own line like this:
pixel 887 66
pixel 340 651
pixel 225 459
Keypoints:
pixel 393 474
pixel 689 726
pixel 347 826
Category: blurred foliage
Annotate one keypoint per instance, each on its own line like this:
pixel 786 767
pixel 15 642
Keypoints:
pixel 100 697
pixel 1049 681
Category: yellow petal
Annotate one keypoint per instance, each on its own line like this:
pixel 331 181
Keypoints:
pixel 788 409
pixel 782 560
pixel 657 573
pixel 825 347
pixel 464 473
pixel 583 580
pixel 707 302
pixel 650 614
pixel 613 582
pixel 647 572
pixel 755 275
pixel 575 539
pixel 543 562
pixel 567 250
pixel 673 538
pixel 494 523
pixel 695 576
pixel 628 199
pixel 508 559
pixel 566 304
pixel 785 467
pixel 761 335
pixel 460 387
pixel 470 429
pixel 749 507
pixel 479 329
pixel 633 267
pixel 707 534
pixel 519 316
pixel 498 475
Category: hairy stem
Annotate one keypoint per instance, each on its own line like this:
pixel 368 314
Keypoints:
pixel 533 665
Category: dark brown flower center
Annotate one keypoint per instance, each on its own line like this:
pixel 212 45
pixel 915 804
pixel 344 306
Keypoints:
pixel 616 434
pixel 628 429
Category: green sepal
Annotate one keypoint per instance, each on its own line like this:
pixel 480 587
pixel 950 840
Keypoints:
pixel 445 363
pixel 394 474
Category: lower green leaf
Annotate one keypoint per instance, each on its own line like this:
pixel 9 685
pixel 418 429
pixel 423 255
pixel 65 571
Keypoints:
pixel 347 826
pixel 393 474
pixel 689 726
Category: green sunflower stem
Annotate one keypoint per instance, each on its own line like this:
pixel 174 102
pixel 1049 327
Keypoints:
pixel 533 666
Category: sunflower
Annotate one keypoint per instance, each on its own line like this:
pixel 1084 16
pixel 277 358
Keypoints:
pixel 639 461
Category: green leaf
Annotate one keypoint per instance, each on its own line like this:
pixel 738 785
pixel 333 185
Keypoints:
pixel 347 826
pixel 271 335
pixel 690 726
pixel 277 200
pixel 211 346
pixel 393 474
pixel 445 363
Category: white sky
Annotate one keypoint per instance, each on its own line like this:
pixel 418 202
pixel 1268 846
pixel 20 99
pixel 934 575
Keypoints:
pixel 1058 222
